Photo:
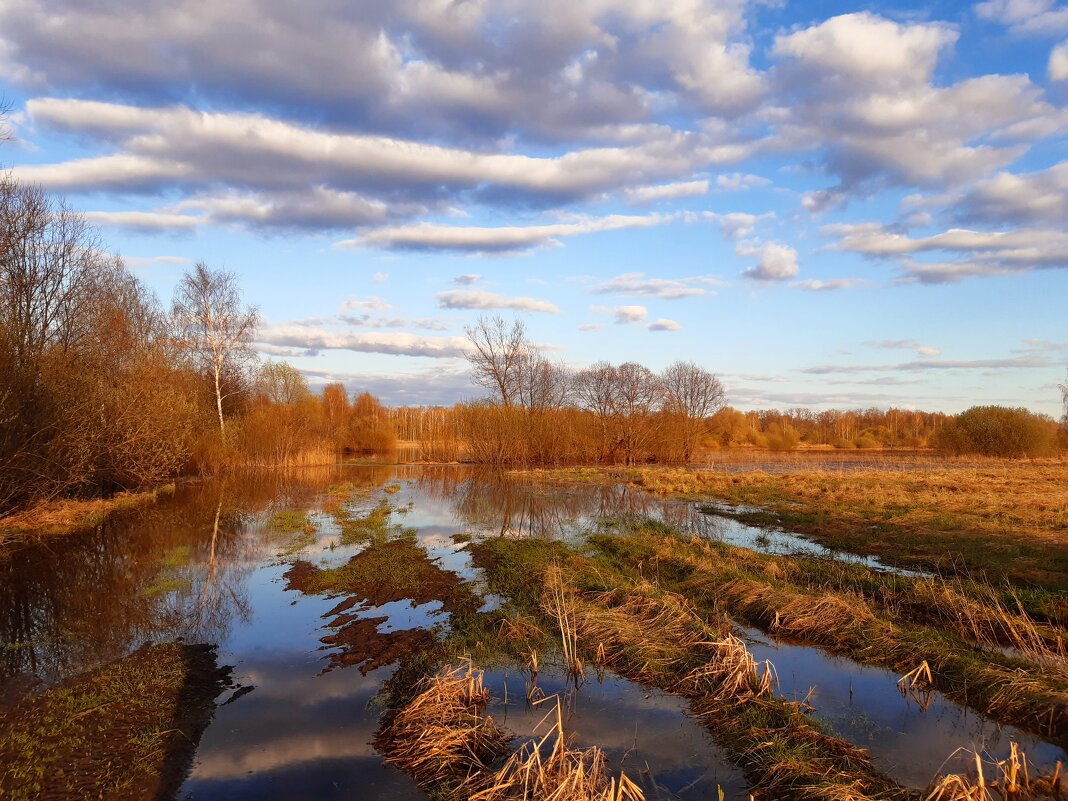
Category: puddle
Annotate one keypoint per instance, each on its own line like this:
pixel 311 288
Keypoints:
pixel 910 738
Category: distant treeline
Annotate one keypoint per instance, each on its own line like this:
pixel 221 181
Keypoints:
pixel 103 387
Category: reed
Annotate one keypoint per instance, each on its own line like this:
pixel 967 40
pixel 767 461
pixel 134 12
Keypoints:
pixel 547 769
pixel 1009 779
pixel 442 737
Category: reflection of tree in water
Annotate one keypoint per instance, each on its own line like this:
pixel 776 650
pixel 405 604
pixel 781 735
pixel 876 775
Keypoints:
pixel 494 503
pixel 178 567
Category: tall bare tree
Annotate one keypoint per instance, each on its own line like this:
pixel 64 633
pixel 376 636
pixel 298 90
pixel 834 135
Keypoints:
pixel 215 328
pixel 693 394
pixel 1064 401
pixel 496 354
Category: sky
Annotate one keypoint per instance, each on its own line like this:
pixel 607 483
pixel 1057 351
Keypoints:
pixel 828 204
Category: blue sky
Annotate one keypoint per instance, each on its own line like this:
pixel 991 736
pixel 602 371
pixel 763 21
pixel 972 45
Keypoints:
pixel 829 204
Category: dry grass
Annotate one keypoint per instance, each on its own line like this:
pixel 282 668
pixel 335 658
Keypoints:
pixel 566 774
pixel 443 736
pixel 559 603
pixel 446 742
pixel 1006 687
pixel 68 515
pixel 1008 780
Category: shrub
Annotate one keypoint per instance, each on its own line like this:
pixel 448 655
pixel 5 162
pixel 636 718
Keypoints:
pixel 999 431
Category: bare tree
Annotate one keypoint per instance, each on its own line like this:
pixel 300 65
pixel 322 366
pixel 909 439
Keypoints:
pixel 497 350
pixel 215 328
pixel 637 396
pixel 6 134
pixel 594 390
pixel 1064 401
pixel 693 394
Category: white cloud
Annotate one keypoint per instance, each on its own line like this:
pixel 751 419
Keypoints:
pixel 392 343
pixel 149 221
pixel 379 278
pixel 623 314
pixel 663 324
pixel 467 279
pixel 368 304
pixel 504 239
pixel 737 181
pixel 737 225
pixel 647 194
pixel 1034 197
pixel 816 285
pixel 588 327
pixel 1058 63
pixel 665 288
pixel 479 299
pixel 980 253
pixel 903 344
pixel 775 262
pixel 1017 363
pixel 1028 17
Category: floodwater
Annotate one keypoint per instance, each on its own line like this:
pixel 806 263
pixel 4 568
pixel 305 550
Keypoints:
pixel 314 667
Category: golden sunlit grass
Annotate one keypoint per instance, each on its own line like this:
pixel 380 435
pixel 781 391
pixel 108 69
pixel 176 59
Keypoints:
pixel 1008 779
pixel 447 743
pixel 1005 518
pixel 1028 689
pixel 66 515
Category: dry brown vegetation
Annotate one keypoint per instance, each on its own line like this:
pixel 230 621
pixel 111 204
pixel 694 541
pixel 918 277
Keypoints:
pixel 447 743
pixel 1004 519
pixel 1027 689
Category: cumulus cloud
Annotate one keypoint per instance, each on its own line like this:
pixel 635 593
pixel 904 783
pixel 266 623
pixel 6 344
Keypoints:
pixel 1033 197
pixel 443 385
pixel 479 299
pixel 1058 62
pixel 623 314
pixel 862 91
pixel 665 288
pixel 588 327
pixel 504 239
pixel 775 262
pixel 736 224
pixel 1028 17
pixel 663 324
pixel 554 70
pixel 467 279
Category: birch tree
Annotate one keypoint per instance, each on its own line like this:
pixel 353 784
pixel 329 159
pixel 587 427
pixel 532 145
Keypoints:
pixel 215 329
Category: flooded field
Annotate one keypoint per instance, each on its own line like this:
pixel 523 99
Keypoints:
pixel 332 593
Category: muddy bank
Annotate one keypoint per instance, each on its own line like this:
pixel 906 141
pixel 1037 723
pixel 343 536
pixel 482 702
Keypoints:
pixel 126 731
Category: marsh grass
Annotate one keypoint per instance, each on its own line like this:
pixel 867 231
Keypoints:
pixel 123 731
pixel 1009 779
pixel 721 579
pixel 1001 518
pixel 445 740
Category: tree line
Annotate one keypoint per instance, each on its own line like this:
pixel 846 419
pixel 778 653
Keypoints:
pixel 103 387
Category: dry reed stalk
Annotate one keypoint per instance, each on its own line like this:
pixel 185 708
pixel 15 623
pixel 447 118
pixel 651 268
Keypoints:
pixel 559 602
pixel 1010 781
pixel 443 737
pixel 731 672
pixel 566 774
